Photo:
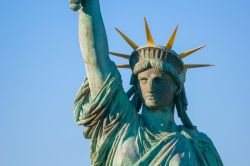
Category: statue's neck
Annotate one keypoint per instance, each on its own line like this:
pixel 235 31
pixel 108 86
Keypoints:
pixel 159 120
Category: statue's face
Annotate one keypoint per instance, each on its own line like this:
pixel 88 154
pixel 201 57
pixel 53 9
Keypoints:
pixel 157 88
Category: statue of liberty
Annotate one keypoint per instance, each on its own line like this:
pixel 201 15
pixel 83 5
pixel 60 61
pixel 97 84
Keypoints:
pixel 119 134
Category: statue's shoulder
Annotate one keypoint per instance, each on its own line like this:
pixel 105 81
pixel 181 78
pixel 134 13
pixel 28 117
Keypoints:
pixel 203 146
pixel 199 139
pixel 194 135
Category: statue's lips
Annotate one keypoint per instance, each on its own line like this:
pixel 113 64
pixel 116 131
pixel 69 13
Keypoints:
pixel 151 97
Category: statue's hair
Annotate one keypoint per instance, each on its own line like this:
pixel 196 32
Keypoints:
pixel 157 64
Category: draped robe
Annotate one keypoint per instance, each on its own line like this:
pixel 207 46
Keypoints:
pixel 119 136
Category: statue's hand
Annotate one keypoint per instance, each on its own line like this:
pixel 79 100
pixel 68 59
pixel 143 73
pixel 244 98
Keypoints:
pixel 75 4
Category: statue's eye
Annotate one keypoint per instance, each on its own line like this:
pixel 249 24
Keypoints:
pixel 159 79
pixel 143 80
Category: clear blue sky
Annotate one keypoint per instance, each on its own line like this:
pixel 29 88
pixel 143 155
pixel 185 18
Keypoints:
pixel 41 70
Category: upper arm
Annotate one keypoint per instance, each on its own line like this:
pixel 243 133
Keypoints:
pixel 110 107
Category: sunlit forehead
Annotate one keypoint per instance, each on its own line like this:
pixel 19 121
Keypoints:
pixel 153 73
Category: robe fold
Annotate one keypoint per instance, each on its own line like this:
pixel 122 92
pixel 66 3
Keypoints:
pixel 119 136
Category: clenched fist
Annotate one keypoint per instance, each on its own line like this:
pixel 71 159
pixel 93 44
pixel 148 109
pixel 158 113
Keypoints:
pixel 75 4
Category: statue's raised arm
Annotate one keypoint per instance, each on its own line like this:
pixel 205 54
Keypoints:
pixel 119 135
pixel 93 42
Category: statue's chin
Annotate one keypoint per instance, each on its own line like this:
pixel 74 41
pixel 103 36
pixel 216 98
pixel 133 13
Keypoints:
pixel 155 104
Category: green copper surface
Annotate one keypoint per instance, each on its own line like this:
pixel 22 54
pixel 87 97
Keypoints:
pixel 119 135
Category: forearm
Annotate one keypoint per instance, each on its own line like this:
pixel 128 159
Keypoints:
pixel 93 39
pixel 94 45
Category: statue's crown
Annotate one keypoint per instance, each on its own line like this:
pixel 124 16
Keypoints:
pixel 152 51
pixel 156 53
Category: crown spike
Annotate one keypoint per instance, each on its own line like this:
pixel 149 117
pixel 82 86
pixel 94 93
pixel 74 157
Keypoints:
pixel 120 55
pixel 187 53
pixel 125 66
pixel 172 37
pixel 189 66
pixel 148 33
pixel 130 42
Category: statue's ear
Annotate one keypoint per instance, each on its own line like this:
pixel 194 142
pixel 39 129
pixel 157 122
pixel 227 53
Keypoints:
pixel 133 79
pixel 134 82
pixel 139 89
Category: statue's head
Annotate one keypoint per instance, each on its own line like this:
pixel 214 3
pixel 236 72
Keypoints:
pixel 158 75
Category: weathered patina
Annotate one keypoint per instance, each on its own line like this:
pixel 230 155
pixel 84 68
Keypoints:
pixel 119 134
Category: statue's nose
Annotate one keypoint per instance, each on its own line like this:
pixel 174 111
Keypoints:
pixel 151 86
